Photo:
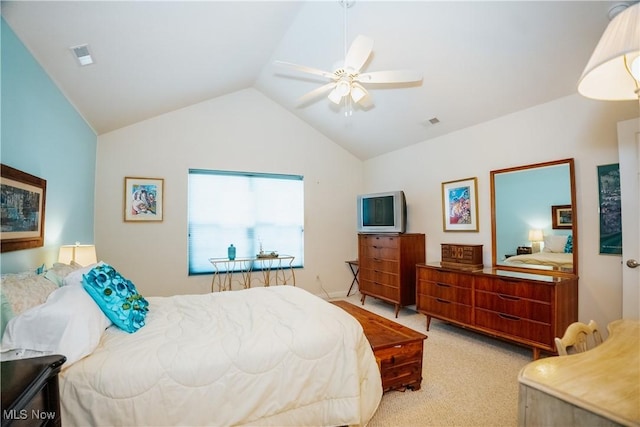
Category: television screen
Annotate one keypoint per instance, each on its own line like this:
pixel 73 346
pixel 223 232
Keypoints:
pixel 377 211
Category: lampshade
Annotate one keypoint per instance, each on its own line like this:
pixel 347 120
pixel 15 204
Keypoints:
pixel 81 254
pixel 613 72
pixel 536 236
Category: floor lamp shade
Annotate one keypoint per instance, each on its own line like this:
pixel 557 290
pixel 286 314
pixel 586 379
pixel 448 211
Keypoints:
pixel 613 72
pixel 80 254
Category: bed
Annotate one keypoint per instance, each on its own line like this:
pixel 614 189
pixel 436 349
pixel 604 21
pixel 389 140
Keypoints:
pixel 260 356
pixel 549 259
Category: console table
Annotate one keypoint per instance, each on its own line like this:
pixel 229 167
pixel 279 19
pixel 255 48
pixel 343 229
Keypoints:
pixel 241 270
pixel 598 387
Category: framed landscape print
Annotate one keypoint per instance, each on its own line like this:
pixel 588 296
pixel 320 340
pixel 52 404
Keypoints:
pixel 561 217
pixel 143 199
pixel 460 205
pixel 22 204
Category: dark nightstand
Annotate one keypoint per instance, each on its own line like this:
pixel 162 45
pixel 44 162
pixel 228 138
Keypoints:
pixel 30 394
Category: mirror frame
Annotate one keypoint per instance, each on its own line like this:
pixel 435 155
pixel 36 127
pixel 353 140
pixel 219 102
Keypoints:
pixel 574 227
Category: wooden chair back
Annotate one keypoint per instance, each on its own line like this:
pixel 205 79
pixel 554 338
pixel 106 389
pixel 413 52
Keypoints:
pixel 579 337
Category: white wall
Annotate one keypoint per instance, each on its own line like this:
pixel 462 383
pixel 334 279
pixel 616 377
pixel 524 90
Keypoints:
pixel 570 127
pixel 243 131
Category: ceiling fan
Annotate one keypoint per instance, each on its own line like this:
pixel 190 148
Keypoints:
pixel 348 80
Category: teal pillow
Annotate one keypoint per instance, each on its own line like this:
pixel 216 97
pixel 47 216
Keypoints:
pixel 568 247
pixel 117 297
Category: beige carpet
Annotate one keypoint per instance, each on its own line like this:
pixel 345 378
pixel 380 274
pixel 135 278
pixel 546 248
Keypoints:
pixel 468 379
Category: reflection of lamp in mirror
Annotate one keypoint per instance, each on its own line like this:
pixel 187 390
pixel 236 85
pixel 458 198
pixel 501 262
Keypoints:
pixel 535 237
pixel 80 254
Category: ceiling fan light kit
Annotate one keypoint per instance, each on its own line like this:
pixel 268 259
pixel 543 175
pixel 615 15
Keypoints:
pixel 613 72
pixel 347 81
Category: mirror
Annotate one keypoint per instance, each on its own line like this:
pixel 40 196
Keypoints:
pixel 533 218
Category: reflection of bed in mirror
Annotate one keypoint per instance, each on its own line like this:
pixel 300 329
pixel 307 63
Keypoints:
pixel 557 253
pixel 550 259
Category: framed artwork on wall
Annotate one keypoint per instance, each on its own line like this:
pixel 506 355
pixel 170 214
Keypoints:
pixel 561 217
pixel 610 209
pixel 460 205
pixel 143 199
pixel 23 198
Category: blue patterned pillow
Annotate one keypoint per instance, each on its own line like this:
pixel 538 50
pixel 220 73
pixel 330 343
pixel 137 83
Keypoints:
pixel 568 247
pixel 117 297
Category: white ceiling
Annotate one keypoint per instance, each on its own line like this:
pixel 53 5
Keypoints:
pixel 480 60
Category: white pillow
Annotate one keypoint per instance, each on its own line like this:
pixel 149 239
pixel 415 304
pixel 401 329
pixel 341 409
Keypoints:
pixel 75 277
pixel 554 243
pixel 68 323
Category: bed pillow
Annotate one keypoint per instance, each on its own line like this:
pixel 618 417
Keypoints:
pixel 59 271
pixel 117 297
pixel 25 290
pixel 568 247
pixel 554 243
pixel 68 323
pixel 75 277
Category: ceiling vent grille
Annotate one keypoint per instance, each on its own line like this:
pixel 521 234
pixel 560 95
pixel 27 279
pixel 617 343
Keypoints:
pixel 82 54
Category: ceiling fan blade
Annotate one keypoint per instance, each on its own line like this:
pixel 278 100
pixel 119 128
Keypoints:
pixel 315 93
pixel 358 53
pixel 394 76
pixel 306 69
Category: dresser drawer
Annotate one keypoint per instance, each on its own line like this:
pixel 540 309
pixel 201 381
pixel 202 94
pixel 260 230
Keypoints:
pixel 391 293
pixel 516 306
pixel 444 309
pixel 444 291
pixel 389 279
pixel 376 241
pixel 375 264
pixel 450 278
pixel 516 288
pixel 515 326
pixel 400 365
pixel 380 253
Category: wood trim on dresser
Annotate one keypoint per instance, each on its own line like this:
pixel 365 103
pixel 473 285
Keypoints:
pixel 524 308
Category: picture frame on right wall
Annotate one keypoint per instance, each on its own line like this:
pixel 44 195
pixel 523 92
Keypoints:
pixel 460 205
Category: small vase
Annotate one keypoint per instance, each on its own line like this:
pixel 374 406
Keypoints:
pixel 231 252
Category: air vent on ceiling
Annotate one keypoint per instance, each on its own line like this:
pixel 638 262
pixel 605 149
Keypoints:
pixel 82 54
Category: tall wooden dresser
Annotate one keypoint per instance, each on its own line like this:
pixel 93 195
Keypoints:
pixel 387 264
pixel 529 309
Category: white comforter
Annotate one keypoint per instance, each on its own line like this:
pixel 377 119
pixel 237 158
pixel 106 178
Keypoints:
pixel 551 259
pixel 262 356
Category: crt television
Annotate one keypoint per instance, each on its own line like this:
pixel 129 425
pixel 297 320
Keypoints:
pixel 382 212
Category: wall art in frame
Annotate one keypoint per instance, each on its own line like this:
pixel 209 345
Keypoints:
pixel 610 209
pixel 143 199
pixel 22 203
pixel 460 205
pixel 561 217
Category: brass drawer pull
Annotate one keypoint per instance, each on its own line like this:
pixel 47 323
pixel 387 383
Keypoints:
pixel 443 301
pixel 443 285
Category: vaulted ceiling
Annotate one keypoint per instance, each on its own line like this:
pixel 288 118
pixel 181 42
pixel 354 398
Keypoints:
pixel 479 59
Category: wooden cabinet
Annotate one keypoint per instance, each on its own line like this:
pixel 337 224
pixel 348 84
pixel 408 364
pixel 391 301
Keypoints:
pixel 388 266
pixel 530 309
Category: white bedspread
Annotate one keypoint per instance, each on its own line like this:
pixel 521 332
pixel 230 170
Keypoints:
pixel 262 356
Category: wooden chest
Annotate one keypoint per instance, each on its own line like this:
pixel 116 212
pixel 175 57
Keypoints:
pixel 398 349
pixel 464 257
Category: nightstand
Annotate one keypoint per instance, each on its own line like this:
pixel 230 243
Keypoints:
pixel 30 394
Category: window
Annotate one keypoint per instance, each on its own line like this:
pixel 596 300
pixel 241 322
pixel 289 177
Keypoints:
pixel 246 209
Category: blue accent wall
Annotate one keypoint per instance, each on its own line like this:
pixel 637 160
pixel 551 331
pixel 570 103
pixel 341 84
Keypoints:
pixel 42 134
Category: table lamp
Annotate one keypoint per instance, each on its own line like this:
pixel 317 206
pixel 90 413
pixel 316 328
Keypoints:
pixel 80 254
pixel 535 237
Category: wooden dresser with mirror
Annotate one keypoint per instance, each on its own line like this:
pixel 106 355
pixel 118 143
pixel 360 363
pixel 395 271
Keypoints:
pixel 526 298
